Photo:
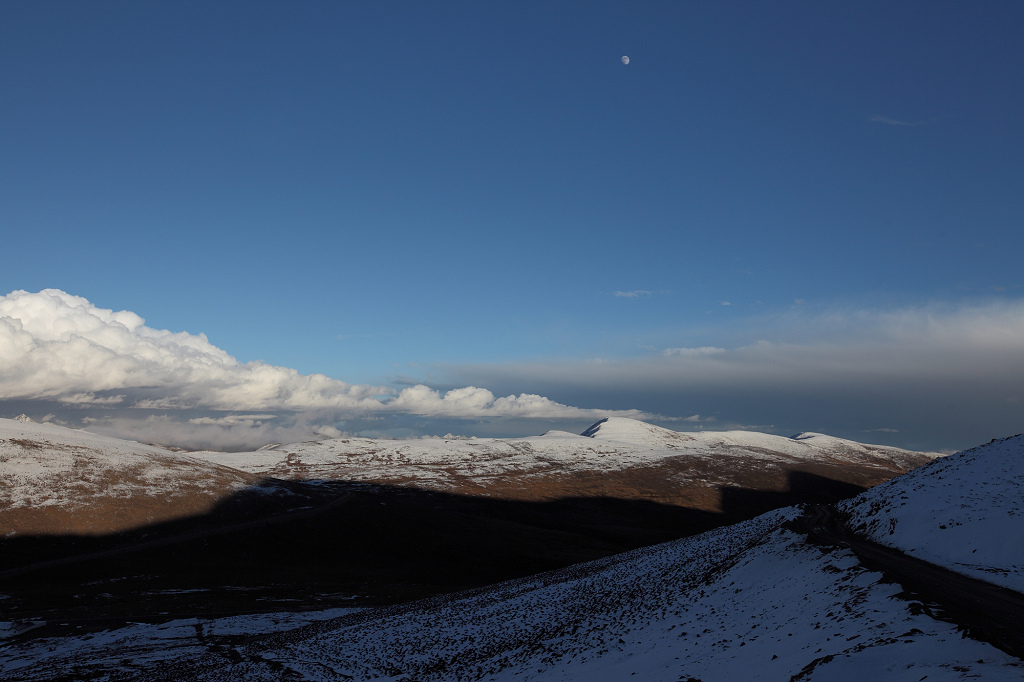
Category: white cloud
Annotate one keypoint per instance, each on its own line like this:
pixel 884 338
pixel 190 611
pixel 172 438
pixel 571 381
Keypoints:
pixel 91 399
pixel 328 432
pixel 692 352
pixel 212 432
pixel 233 420
pixel 633 294
pixel 479 402
pixel 60 348
pixel 54 345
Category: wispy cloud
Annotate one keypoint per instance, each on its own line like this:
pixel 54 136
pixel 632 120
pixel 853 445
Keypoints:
pixel 896 122
pixel 692 352
pixel 633 294
pixel 91 399
pixel 233 420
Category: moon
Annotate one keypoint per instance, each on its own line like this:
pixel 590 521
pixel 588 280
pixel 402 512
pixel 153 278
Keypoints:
pixel 625 59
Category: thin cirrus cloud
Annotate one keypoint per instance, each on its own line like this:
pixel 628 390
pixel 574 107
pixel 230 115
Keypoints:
pixel 61 349
pixel 886 120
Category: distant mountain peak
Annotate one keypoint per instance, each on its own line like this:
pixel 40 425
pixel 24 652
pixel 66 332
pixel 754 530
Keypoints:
pixel 592 430
pixel 632 431
pixel 805 435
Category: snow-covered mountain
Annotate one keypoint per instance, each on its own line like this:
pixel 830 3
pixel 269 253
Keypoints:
pixel 753 601
pixel 59 480
pixel 612 444
pixel 637 459
pixel 55 480
pixel 372 522
pixel 963 512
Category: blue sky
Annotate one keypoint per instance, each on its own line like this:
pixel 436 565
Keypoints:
pixel 483 194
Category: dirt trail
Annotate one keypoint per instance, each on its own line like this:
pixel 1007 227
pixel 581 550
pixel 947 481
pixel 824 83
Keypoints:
pixel 984 611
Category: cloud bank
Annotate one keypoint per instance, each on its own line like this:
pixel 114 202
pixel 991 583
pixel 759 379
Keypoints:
pixel 59 348
pixel 931 377
pixel 934 376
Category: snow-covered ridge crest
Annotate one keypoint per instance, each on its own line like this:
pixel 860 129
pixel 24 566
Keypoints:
pixel 613 445
pixel 50 474
pixel 633 431
pixel 59 480
pixel 965 512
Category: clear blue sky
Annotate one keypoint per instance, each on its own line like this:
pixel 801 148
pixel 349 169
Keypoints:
pixel 460 193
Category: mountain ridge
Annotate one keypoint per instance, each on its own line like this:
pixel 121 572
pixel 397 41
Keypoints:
pixel 755 600
pixel 51 473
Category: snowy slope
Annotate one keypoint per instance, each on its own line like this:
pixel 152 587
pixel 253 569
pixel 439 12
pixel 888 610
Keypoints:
pixel 612 445
pixel 750 602
pixel 963 512
pixel 58 480
pixel 147 643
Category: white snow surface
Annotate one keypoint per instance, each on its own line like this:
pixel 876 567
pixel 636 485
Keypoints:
pixel 56 479
pixel 752 601
pixel 46 465
pixel 613 444
pixel 747 602
pixel 145 643
pixel 963 512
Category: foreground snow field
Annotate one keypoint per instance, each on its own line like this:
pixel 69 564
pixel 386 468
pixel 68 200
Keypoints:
pixel 748 602
pixel 963 512
pixel 751 601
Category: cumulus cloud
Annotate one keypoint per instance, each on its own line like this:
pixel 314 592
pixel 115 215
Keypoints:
pixel 479 402
pixel 55 345
pixel 61 349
